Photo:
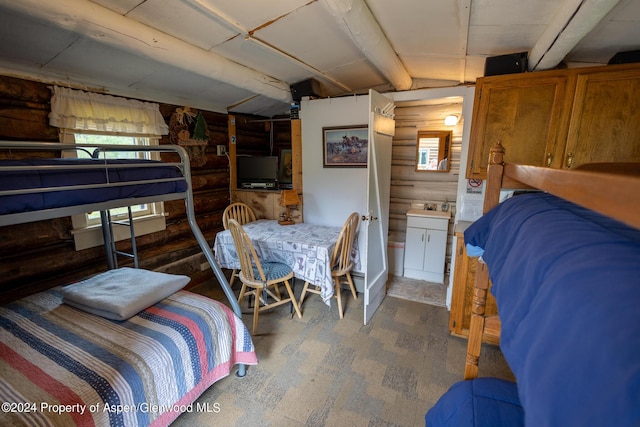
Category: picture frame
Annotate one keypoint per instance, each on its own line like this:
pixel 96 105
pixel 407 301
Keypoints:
pixel 345 146
pixel 285 167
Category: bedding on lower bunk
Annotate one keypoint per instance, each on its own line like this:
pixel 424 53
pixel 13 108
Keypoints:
pixel 120 293
pixel 567 286
pixel 75 172
pixel 63 366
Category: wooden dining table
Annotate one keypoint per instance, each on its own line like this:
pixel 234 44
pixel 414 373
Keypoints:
pixel 306 248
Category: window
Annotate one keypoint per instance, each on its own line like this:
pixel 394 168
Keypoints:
pixel 119 213
pixel 147 218
pixel 93 118
pixel 428 157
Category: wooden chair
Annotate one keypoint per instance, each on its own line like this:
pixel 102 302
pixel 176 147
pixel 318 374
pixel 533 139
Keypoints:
pixel 341 262
pixel 260 276
pixel 242 213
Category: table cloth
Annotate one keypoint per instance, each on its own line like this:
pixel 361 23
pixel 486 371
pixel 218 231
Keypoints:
pixel 306 248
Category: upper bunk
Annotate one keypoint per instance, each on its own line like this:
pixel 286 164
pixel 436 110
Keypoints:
pixel 34 188
pixel 608 190
pixel 562 264
pixel 565 281
pixel 44 180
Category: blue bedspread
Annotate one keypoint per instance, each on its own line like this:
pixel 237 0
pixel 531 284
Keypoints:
pixel 567 286
pixel 15 180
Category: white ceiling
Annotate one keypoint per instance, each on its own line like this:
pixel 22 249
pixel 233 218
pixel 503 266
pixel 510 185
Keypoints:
pixel 243 55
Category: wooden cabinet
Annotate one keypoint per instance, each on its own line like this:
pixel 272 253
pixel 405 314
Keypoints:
pixel 605 120
pixel 426 245
pixel 559 118
pixel 462 293
pixel 523 112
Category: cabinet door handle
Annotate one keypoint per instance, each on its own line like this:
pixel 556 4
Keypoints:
pixel 549 158
pixel 428 237
pixel 569 160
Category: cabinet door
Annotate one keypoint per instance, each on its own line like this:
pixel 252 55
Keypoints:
pixel 525 113
pixel 414 248
pixel 435 247
pixel 605 123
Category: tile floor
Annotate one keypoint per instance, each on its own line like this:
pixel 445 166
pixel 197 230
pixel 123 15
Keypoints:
pixel 418 290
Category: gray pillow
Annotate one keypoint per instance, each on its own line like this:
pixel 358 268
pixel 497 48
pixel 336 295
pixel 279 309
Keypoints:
pixel 121 293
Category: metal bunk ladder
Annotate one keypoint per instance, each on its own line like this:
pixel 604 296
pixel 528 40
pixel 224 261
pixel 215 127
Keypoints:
pixel 110 242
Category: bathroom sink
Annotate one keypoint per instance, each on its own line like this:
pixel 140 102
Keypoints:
pixel 429 214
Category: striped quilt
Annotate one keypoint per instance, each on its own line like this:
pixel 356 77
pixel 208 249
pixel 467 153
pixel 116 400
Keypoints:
pixel 61 366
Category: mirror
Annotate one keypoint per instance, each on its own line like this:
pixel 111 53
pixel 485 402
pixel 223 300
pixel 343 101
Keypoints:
pixel 432 150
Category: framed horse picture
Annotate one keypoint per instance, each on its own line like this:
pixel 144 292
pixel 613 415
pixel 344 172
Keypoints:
pixel 345 146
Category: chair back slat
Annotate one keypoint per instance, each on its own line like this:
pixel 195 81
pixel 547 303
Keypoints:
pixel 246 253
pixel 239 211
pixel 341 260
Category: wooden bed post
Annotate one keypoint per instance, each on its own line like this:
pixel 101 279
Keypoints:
pixel 476 328
pixel 481 282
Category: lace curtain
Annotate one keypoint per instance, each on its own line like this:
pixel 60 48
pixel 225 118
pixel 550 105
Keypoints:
pixel 78 110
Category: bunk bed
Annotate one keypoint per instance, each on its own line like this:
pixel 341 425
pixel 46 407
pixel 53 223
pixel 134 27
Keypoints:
pixel 563 261
pixel 143 365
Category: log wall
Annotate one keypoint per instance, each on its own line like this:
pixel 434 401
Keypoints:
pixel 39 255
pixel 266 203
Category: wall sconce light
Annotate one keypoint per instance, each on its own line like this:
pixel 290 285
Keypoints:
pixel 451 120
pixel 288 198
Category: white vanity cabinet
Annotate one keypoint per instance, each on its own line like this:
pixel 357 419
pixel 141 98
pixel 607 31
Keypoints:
pixel 426 245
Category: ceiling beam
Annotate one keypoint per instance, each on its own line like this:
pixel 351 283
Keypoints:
pixel 573 21
pixel 249 35
pixel 358 22
pixel 108 27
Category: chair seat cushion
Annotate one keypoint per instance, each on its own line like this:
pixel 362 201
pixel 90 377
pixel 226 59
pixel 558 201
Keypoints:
pixel 481 402
pixel 273 270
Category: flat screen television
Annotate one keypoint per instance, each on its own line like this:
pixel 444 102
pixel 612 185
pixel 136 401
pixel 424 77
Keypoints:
pixel 257 171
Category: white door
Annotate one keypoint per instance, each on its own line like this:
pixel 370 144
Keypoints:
pixel 376 222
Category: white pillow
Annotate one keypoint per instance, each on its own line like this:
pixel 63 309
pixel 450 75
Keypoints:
pixel 121 293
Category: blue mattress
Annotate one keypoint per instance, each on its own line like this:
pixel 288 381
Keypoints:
pixel 17 180
pixel 567 286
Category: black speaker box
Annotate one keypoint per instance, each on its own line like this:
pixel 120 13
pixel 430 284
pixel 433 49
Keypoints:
pixel 506 64
pixel 309 87
pixel 625 57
